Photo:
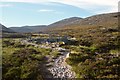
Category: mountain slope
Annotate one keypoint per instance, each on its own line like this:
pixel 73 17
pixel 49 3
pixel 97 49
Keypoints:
pixel 42 28
pixel 29 28
pixel 5 29
pixel 64 22
pixel 109 19
pixel 20 29
pixel 104 20
pixel 99 19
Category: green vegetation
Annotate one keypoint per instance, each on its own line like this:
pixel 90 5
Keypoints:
pixel 22 65
pixel 94 54
pixel 14 35
pixel 21 62
pixel 89 64
pixel 97 52
pixel 96 66
pixel 55 54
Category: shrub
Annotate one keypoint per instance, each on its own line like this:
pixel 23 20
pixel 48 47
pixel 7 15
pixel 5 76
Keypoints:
pixel 24 64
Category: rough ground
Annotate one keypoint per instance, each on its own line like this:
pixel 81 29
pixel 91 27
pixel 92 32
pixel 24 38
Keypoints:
pixel 60 69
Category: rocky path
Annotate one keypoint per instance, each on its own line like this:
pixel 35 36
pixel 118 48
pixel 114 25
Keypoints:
pixel 60 69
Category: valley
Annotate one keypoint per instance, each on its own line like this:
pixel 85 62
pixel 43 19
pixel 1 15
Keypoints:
pixel 83 48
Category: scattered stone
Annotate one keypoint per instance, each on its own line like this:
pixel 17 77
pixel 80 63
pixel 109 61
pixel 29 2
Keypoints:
pixel 60 70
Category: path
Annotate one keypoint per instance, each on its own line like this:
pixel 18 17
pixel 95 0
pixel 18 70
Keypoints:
pixel 59 68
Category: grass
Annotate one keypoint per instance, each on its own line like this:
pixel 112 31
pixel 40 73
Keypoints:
pixel 41 50
pixel 23 62
pixel 115 52
pixel 9 46
pixel 9 50
pixel 55 54
pixel 91 39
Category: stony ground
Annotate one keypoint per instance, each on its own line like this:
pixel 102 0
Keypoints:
pixel 60 69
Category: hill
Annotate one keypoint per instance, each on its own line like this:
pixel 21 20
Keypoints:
pixel 64 22
pixel 5 29
pixel 96 20
pixel 27 29
pixel 109 18
pixel 103 20
pixel 92 45
pixel 95 50
pixel 42 28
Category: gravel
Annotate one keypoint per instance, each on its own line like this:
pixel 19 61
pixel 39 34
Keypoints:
pixel 60 69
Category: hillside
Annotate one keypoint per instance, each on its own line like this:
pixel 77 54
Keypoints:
pixel 9 33
pixel 95 50
pixel 29 28
pixel 89 47
pixel 110 18
pixel 72 24
pixel 5 29
pixel 96 20
pixel 105 20
pixel 42 28
pixel 64 22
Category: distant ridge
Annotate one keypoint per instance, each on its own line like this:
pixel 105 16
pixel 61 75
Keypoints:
pixel 108 19
pixel 99 19
pixel 24 29
pixel 64 22
pixel 41 28
pixel 5 29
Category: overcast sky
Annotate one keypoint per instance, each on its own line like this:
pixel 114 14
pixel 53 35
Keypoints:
pixel 39 12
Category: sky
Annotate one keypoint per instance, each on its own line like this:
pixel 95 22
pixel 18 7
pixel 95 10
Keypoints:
pixel 16 13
